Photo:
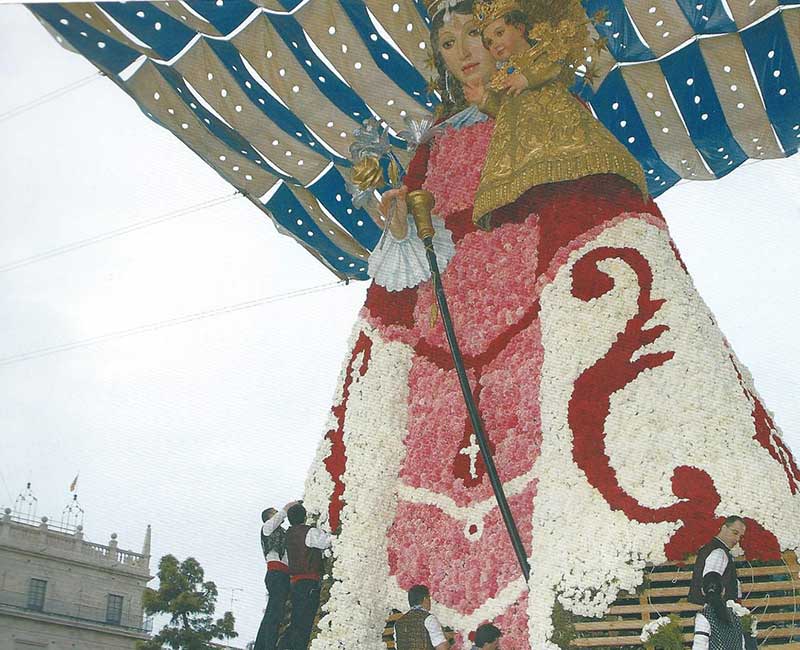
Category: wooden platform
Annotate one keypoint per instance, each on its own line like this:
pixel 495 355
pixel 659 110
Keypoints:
pixel 388 631
pixel 771 590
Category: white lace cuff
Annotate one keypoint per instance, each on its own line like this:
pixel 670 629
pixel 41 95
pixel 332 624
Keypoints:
pixel 397 265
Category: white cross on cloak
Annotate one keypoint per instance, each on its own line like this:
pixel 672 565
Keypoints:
pixel 472 452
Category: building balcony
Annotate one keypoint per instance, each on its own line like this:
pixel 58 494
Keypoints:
pixel 45 538
pixel 126 622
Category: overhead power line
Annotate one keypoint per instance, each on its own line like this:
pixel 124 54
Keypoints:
pixel 48 97
pixel 138 225
pixel 180 320
pixel 5 485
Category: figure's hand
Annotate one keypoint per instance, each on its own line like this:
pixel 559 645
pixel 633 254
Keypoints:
pixel 391 198
pixel 515 84
pixel 475 93
pixel 393 208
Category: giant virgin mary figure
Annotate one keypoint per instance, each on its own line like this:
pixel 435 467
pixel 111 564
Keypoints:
pixel 621 422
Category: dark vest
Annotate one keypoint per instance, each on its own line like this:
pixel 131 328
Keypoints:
pixel 274 542
pixel 302 560
pixel 410 632
pixel 729 580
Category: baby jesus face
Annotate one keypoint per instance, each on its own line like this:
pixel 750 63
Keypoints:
pixel 502 40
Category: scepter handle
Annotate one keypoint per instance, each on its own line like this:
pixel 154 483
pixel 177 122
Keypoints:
pixel 420 203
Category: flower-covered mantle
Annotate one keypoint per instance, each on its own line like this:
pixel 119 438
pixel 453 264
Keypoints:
pixel 621 423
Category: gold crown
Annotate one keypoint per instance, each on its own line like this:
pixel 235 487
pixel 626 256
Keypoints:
pixel 433 6
pixel 487 11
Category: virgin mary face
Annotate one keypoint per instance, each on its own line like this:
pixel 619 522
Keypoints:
pixel 459 42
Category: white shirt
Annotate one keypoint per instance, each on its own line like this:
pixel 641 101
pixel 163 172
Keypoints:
pixel 717 562
pixel 318 538
pixel 269 527
pixel 702 626
pixel 433 627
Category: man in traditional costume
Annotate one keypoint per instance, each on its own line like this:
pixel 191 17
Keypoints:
pixel 304 546
pixel 273 545
pixel 487 637
pixel 715 557
pixel 418 629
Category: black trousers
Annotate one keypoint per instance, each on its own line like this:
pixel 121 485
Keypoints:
pixel 277 583
pixel 305 603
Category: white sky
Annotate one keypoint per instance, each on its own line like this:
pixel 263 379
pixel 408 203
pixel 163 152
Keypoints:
pixel 196 428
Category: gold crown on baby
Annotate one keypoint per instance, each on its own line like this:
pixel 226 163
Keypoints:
pixel 487 11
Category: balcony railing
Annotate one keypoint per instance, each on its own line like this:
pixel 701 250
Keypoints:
pixel 21 533
pixel 58 526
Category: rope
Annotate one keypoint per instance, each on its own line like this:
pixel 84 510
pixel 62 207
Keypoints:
pixel 180 320
pixel 752 581
pixel 794 607
pixel 650 602
pixel 48 97
pixel 771 628
pixel 5 485
pixel 68 248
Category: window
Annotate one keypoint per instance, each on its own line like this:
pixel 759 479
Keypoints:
pixel 114 609
pixel 36 592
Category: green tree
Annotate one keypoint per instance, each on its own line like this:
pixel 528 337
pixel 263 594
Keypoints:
pixel 190 602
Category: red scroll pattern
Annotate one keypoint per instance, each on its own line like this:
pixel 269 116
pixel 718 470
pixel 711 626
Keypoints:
pixel 336 461
pixel 591 401
pixel 767 436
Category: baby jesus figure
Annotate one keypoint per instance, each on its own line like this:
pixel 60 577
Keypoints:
pixel 507 40
pixel 543 133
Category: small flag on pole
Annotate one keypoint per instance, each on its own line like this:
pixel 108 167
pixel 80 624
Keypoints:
pixel 74 483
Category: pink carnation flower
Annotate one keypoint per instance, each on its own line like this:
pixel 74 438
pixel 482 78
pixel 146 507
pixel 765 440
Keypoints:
pixel 457 154
pixel 427 546
pixel 490 286
pixel 439 430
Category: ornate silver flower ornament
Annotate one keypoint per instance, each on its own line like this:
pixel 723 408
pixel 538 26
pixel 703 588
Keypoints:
pixel 418 130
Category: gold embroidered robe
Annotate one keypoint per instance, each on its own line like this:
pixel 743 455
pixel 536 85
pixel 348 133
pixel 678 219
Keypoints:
pixel 543 135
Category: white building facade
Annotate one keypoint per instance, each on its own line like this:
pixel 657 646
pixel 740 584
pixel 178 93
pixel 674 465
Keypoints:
pixel 61 592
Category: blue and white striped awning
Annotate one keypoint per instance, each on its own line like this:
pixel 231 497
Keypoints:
pixel 269 92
